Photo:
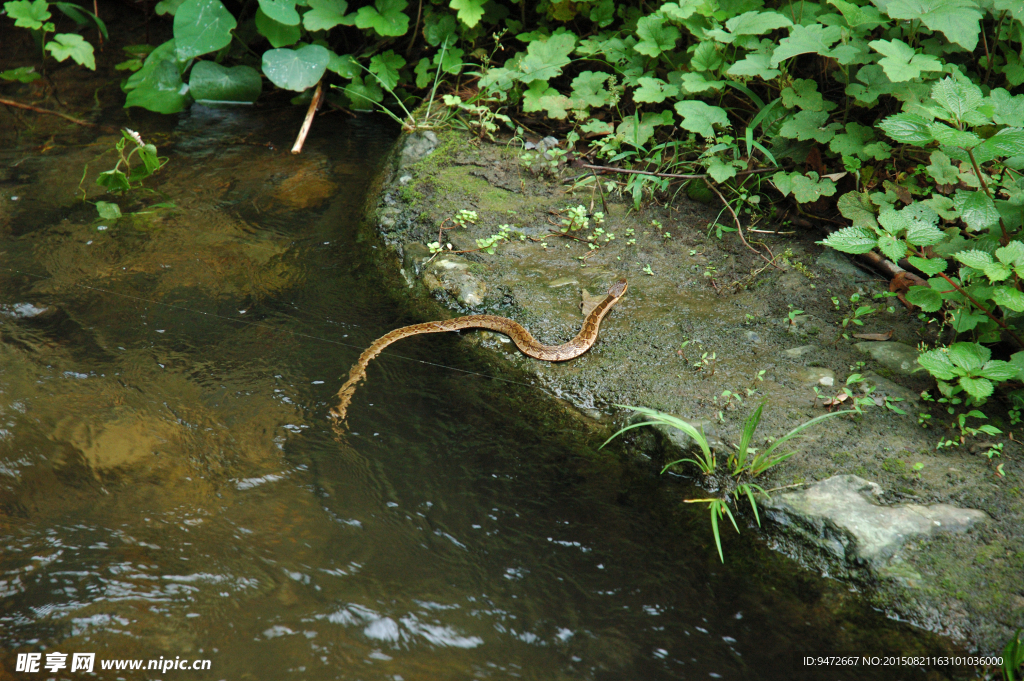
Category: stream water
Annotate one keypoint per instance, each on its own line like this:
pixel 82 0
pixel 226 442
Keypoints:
pixel 171 487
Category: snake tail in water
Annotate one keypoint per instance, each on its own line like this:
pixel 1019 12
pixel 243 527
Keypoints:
pixel 520 336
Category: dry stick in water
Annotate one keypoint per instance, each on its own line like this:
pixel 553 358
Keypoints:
pixel 314 104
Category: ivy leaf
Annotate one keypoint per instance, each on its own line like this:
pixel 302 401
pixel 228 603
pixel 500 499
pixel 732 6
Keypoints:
pixel 901 62
pixel 925 298
pixel 385 17
pixel 974 259
pixel 1006 142
pixel 209 81
pixel 1007 296
pixel 651 90
pixel 325 15
pixel 655 36
pixel 978 388
pixel 854 240
pixel 908 128
pixel 857 207
pixel 469 12
pixel 588 89
pixel 956 19
pixel 803 39
pixel 72 45
pixel 976 209
pixel 930 266
pixel 756 23
pixel 278 34
pixel 941 170
pixel 28 14
pixel 698 117
pixel 807 125
pixel 891 247
pixel 281 11
pixel 385 67
pixel 201 26
pixel 544 59
pixel 296 70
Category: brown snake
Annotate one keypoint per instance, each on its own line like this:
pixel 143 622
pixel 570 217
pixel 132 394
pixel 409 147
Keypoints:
pixel 520 336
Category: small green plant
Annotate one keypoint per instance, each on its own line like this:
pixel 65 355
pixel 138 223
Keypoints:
pixel 35 16
pixel 1013 657
pixel 119 181
pixel 575 219
pixel 743 466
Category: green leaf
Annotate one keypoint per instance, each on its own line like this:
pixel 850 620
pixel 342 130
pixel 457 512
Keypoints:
pixel 385 67
pixel 854 240
pixel 809 188
pixel 853 141
pixel 755 64
pixel 347 67
pixel 908 128
pixel 209 81
pixel 1009 109
pixel 167 7
pixel 719 170
pixel 636 135
pixel 1006 142
pixel 439 28
pixel 699 117
pixel 114 181
pixel 469 11
pixel 976 209
pixel 969 356
pixel 857 207
pixel 364 94
pixel 201 26
pixel 803 93
pixel 1017 360
pixel 891 247
pixel 807 125
pixel 956 19
pixel 958 97
pixel 925 297
pixel 107 210
pixel 161 90
pixel 588 90
pixel 296 70
pixel 652 90
pixel 978 388
pixel 278 34
pixel 997 271
pixel 325 15
pixel 951 137
pixel 923 234
pixel 706 57
pixel 863 18
pixel 385 17
pixel 281 11
pixel 756 23
pixel 941 170
pixel 1010 253
pixel 975 259
pixel 540 97
pixel 22 74
pixel 28 14
pixel 1010 297
pixel 545 59
pixel 72 45
pixel 655 36
pixel 937 361
pixel 815 38
pixel 901 62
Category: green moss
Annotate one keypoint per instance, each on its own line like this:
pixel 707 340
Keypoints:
pixel 895 466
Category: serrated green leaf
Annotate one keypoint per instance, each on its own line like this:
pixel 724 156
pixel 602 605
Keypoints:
pixel 853 141
pixel 958 20
pixel 975 259
pixel 854 240
pixel 201 26
pixel 925 297
pixel 930 266
pixel 997 271
pixel 469 12
pixel 545 59
pixel 1009 109
pixel 719 170
pixel 857 207
pixel 655 36
pixel 385 17
pixel 901 62
pixel 937 363
pixel 706 57
pixel 27 14
pixel 325 15
pixel 958 97
pixel 895 221
pixel 807 125
pixel 998 370
pixel 1006 142
pixel 211 82
pixel 1010 297
pixel 976 209
pixel 941 170
pixel 908 128
pixel 891 247
pixel 951 137
pixel 978 388
pixel 756 23
pixel 1010 253
pixel 699 117
pixel 653 90
pixel 923 234
pixel 72 45
pixel 385 66
pixel 816 39
pixel 296 70
pixel 969 356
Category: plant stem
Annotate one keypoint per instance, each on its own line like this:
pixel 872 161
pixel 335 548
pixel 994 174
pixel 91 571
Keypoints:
pixel 984 185
pixel 978 305
pixel 739 227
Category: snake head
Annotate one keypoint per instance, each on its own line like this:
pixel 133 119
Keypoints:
pixel 618 289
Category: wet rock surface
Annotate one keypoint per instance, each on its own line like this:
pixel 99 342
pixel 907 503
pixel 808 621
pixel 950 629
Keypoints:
pixel 707 330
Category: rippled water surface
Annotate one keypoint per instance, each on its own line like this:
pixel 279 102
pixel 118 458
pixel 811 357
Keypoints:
pixel 170 485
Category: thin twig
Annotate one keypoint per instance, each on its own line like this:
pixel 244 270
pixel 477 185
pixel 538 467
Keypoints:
pixel 739 227
pixel 29 107
pixel 988 314
pixel 679 176
pixel 314 104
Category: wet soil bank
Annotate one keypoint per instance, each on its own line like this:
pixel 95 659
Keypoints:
pixel 706 331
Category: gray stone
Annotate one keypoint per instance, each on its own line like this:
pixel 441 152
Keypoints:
pixel 816 376
pixel 842 516
pixel 796 353
pixel 898 357
pixel 837 262
pixel 453 276
pixel 418 145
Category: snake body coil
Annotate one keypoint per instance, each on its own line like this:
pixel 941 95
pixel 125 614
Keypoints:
pixel 520 336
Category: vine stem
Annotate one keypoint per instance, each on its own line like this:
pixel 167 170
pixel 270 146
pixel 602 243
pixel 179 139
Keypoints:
pixel 739 227
pixel 978 305
pixel 678 176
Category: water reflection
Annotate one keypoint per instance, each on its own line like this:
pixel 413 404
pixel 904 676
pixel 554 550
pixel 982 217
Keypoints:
pixel 170 486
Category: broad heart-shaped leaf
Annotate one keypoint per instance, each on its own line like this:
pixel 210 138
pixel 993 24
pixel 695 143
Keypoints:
pixel 857 208
pixel 929 266
pixel 28 14
pixel 1006 142
pixel 908 128
pixel 937 362
pixel 815 38
pixel 72 45
pixel 655 36
pixel 652 90
pixel 279 35
pixel 298 69
pixel 1010 297
pixel 854 240
pixel 941 170
pixel 978 388
pixel 385 67
pixel 161 90
pixel 638 133
pixel 385 17
pixel 706 57
pixel 545 59
pixel 976 209
pixel 212 82
pixel 807 125
pixel 853 141
pixel 325 15
pixel 201 26
pixel 588 89
pixel 719 170
pixel 757 23
pixel 970 357
pixel 925 297
pixel 114 181
pixel 901 62
pixel 700 118
pixel 540 97
pixel 281 11
pixel 469 11
pixel 956 19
